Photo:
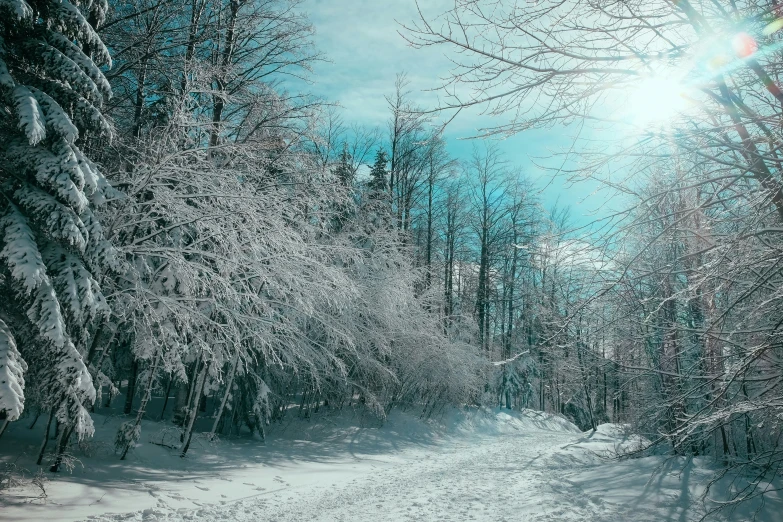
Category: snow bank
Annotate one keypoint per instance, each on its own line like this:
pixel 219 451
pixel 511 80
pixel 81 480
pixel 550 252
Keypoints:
pixel 676 488
pixel 667 487
pixel 499 421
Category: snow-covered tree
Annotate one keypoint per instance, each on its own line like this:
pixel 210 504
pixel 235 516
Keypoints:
pixel 12 368
pixel 379 183
pixel 52 246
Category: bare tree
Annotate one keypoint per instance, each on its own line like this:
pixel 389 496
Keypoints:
pixel 489 186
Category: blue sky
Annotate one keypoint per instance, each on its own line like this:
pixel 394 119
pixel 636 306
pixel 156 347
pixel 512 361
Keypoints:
pixel 361 40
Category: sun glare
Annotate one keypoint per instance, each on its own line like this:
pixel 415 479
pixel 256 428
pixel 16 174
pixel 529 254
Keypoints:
pixel 656 101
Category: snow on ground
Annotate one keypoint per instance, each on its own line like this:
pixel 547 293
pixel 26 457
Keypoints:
pixel 462 466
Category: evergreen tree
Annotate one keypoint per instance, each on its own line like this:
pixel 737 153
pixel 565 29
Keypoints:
pixel 378 183
pixel 343 171
pixel 343 207
pixel 51 245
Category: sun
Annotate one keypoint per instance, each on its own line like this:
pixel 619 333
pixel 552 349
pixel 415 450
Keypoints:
pixel 655 102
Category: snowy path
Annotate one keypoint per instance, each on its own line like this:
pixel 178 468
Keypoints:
pixel 523 466
pixel 512 476
pixel 516 477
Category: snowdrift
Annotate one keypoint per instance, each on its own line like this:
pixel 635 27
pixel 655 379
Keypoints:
pixel 500 421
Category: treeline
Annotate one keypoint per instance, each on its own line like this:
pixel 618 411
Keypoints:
pixel 178 224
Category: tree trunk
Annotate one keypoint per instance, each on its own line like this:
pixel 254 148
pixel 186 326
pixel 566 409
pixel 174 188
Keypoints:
pixel 185 396
pixel 131 390
pixel 166 399
pixel 430 189
pixel 229 384
pixel 193 412
pixel 197 8
pixel 35 419
pixel 62 443
pixel 511 288
pixel 139 103
pixel 144 400
pixel 227 55
pixel 45 438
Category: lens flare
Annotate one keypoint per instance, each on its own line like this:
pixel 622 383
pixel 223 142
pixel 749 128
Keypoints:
pixel 773 27
pixel 744 45
pixel 656 101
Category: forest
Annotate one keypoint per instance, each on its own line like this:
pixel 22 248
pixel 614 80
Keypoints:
pixel 178 222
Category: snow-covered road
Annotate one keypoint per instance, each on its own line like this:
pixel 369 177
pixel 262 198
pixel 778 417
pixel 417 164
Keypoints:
pixel 491 466
pixel 514 477
pixel 521 473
